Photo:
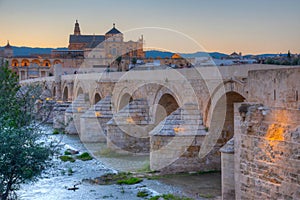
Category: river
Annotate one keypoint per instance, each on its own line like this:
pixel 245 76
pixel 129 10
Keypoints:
pixel 55 181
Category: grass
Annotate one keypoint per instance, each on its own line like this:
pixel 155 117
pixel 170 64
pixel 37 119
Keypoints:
pixel 84 156
pixel 120 178
pixel 169 197
pixel 129 181
pixel 67 158
pixel 156 177
pixel 142 194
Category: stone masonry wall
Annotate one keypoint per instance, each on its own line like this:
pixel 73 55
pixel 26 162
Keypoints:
pixel 276 88
pixel 185 158
pixel 267 154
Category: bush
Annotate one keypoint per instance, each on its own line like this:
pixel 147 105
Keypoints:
pixel 84 156
pixel 130 181
pixel 55 132
pixel 67 158
pixel 142 194
pixel 67 153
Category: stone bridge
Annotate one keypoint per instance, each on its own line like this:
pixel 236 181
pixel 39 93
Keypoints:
pixel 180 117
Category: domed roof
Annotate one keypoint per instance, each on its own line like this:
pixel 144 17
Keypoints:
pixel 113 30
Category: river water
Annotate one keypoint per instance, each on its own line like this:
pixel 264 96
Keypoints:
pixel 55 181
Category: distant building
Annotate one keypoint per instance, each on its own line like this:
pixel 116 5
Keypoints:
pixel 7 52
pixel 100 50
pixel 27 67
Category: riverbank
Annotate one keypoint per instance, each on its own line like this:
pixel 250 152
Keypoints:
pixel 57 181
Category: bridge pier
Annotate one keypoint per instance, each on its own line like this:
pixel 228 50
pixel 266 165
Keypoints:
pixel 128 131
pixel 93 122
pixel 73 113
pixel 176 141
pixel 59 115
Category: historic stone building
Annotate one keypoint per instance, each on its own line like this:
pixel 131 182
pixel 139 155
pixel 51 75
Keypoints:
pixel 100 51
pixel 104 49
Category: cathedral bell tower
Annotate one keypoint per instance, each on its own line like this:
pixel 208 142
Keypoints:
pixel 76 28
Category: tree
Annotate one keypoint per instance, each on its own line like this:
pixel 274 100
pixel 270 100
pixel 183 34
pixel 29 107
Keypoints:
pixel 22 154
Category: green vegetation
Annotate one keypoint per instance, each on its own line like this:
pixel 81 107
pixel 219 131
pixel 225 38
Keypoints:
pixel 23 154
pixel 288 60
pixel 142 194
pixel 57 131
pixel 84 156
pixel 169 197
pixel 130 181
pixel 206 196
pixel 120 178
pixel 67 153
pixel 65 158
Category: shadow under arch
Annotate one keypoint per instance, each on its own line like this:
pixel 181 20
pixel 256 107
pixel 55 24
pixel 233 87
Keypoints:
pixel 124 100
pixel 229 98
pixel 79 91
pixel 54 92
pixel 165 106
pixel 97 98
pixel 65 94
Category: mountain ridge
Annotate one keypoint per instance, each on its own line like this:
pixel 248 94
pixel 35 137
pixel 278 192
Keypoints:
pixel 26 51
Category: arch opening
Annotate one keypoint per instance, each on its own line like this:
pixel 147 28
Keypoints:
pixel 25 63
pixel 46 63
pixel 79 91
pixel 166 105
pixel 54 92
pixel 14 63
pixel 126 99
pixel 36 61
pixel 65 94
pixel 97 98
pixel 226 101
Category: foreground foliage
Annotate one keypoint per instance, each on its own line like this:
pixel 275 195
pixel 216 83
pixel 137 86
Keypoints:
pixel 22 154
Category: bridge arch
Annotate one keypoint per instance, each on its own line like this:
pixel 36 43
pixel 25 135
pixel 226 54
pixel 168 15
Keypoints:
pixel 164 107
pixel 79 91
pixel 97 98
pixel 165 102
pixel 223 88
pixel 65 94
pixel 219 112
pixel 54 92
pixel 124 100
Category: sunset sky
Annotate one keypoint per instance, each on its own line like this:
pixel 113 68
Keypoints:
pixel 256 26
